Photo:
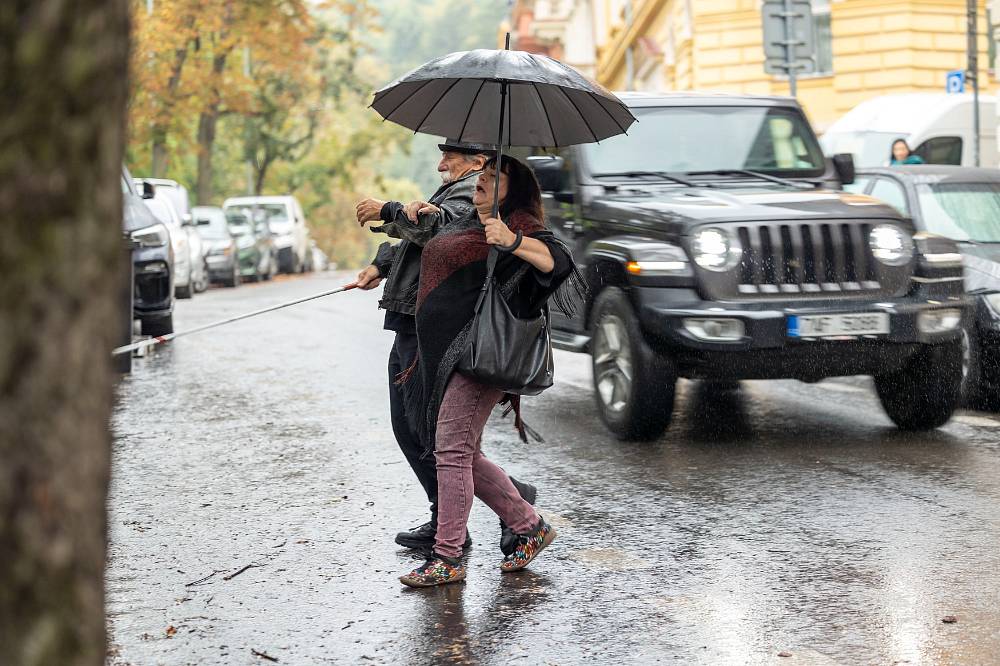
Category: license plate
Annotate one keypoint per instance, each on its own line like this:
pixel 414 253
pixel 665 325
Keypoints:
pixel 838 325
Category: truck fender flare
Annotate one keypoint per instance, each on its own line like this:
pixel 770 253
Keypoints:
pixel 605 262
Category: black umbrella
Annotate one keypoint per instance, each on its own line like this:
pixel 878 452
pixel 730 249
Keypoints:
pixel 503 98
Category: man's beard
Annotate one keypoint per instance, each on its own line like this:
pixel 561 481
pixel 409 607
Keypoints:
pixel 446 177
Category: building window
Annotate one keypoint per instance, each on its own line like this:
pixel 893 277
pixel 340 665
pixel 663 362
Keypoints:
pixel 823 34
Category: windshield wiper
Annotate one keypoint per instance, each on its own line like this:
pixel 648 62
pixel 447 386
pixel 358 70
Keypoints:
pixel 753 174
pixel 639 174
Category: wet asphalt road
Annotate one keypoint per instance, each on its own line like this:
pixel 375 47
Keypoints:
pixel 782 518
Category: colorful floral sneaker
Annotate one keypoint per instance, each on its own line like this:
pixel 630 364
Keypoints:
pixel 528 546
pixel 437 570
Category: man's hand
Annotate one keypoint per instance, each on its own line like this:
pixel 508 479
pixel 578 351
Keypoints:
pixel 369 278
pixel 368 210
pixel 415 208
pixel 497 233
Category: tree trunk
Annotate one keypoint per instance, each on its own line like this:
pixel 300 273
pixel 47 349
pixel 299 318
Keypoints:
pixel 206 144
pixel 159 166
pixel 260 168
pixel 206 137
pixel 161 130
pixel 62 130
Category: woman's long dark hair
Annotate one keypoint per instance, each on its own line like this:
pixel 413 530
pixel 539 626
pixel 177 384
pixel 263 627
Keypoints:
pixel 893 146
pixel 523 192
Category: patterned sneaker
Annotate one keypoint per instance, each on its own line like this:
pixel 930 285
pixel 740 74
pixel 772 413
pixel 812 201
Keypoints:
pixel 437 570
pixel 528 546
pixel 508 540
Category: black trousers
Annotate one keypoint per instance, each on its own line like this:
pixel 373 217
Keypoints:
pixel 404 351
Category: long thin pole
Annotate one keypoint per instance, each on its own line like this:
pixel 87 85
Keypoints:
pixel 197 329
pixel 973 64
pixel 790 62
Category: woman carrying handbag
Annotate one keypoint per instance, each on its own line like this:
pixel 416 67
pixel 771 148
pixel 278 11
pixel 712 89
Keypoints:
pixel 483 338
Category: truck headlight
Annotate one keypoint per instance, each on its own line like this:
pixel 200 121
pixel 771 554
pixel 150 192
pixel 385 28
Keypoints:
pixel 994 301
pixel 154 236
pixel 656 259
pixel 890 245
pixel 714 249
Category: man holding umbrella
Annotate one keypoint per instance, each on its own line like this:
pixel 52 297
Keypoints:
pixel 416 223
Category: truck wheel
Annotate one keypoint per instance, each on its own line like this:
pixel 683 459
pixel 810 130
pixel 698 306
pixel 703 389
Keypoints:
pixel 156 326
pixel 633 385
pixel 184 292
pixel 923 394
pixel 972 377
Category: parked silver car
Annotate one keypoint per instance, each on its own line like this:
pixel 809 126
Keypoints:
pixel 175 197
pixel 221 254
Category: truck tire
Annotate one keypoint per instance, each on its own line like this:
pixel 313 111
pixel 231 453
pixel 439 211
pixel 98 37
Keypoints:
pixel 923 394
pixel 184 292
pixel 972 377
pixel 156 326
pixel 633 385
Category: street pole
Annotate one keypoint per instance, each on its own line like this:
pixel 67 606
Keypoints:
pixel 629 55
pixel 790 62
pixel 973 73
pixel 246 134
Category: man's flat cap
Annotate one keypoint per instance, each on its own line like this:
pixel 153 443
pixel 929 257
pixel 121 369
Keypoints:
pixel 467 148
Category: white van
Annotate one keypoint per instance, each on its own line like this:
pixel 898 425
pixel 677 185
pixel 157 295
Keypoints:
pixel 287 222
pixel 938 127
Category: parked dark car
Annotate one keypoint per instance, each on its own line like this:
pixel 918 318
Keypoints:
pixel 152 258
pixel 717 246
pixel 221 256
pixel 254 245
pixel 961 203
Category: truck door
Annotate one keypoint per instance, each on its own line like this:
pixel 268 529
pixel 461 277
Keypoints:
pixel 560 200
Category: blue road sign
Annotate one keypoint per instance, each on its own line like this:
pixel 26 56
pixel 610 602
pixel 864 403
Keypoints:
pixel 955 81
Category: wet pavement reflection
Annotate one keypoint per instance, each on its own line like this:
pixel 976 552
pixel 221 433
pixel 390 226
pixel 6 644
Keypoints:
pixel 776 518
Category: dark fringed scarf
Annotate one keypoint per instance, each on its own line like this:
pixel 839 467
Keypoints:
pixel 452 272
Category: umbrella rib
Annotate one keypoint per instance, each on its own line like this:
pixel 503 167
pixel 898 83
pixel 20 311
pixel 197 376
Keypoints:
pixel 582 116
pixel 405 99
pixel 508 117
pixel 469 114
pixel 434 106
pixel 548 118
pixel 611 115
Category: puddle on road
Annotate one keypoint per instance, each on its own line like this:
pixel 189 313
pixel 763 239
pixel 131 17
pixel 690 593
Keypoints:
pixel 612 559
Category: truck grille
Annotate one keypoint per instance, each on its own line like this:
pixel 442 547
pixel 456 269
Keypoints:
pixel 807 258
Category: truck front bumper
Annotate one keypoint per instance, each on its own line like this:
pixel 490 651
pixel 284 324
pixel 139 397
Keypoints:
pixel 765 350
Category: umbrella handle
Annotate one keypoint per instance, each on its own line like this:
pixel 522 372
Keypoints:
pixel 503 109
pixel 496 179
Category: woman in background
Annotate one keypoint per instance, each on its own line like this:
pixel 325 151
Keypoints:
pixel 901 154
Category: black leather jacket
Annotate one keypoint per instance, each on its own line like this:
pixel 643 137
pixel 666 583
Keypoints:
pixel 401 262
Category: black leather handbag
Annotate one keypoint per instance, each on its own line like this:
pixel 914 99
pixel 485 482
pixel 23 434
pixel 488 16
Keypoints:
pixel 504 351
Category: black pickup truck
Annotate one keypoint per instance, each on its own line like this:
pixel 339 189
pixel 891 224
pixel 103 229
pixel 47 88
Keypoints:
pixel 718 246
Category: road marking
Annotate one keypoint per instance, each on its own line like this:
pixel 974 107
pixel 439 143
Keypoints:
pixel 843 388
pixel 613 559
pixel 981 421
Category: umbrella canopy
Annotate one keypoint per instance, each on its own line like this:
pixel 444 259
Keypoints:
pixel 539 101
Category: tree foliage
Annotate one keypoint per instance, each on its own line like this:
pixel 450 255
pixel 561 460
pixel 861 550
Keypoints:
pixel 271 96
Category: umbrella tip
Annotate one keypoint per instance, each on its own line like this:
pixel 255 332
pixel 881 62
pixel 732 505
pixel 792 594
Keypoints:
pixel 507 42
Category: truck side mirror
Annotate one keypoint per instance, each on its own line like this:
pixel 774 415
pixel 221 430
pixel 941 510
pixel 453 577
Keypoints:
pixel 843 164
pixel 148 190
pixel 550 172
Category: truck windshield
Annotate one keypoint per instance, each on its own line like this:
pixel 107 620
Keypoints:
pixel 711 138
pixel 870 149
pixel 962 211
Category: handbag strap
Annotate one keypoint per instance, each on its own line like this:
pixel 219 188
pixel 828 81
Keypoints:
pixel 491 264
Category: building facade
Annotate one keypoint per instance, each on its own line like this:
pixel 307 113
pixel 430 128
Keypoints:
pixel 864 48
